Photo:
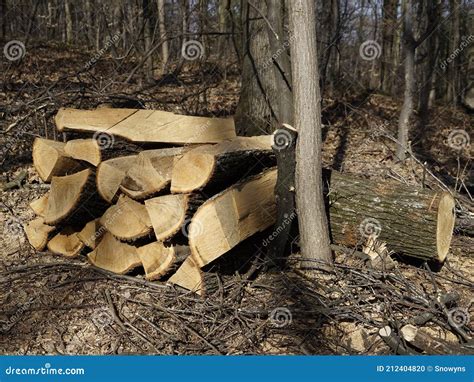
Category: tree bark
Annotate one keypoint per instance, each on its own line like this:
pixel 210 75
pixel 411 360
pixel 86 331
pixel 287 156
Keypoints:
pixel 163 35
pixel 314 233
pixel 69 27
pixel 407 108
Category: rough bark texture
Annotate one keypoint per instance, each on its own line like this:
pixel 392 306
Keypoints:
pixel 309 193
pixel 258 109
pixel 407 220
pixel 407 108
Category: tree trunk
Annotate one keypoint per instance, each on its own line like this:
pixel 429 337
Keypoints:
pixel 148 37
pixel 69 29
pixel 257 111
pixel 163 35
pixel 314 234
pixel 407 108
pixel 454 45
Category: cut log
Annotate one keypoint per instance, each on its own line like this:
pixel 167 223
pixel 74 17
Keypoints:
pixel 66 243
pixel 189 276
pixel 422 340
pixel 87 150
pixel 50 159
pixel 232 216
pixel 110 175
pixel 37 233
pixel 114 255
pixel 222 163
pixel 127 220
pixel 91 234
pixel 168 213
pixel 39 205
pixel 159 260
pixel 149 126
pixel 69 194
pixel 415 223
pixel 150 174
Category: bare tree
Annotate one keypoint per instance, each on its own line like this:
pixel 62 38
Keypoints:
pixel 409 46
pixel 163 35
pixel 314 232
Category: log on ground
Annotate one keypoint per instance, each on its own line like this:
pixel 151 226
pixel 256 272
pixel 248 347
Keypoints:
pixel 158 260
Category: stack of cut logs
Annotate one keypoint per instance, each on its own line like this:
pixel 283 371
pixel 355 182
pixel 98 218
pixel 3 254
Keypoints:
pixel 172 193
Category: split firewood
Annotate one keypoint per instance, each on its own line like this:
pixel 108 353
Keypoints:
pixel 37 233
pixel 189 276
pixel 66 243
pixel 150 126
pixel 50 159
pixel 127 220
pixel 150 174
pixel 168 213
pixel 159 260
pixel 422 340
pixel 73 197
pixel 378 254
pixel 87 150
pixel 91 234
pixel 221 164
pixel 110 175
pixel 232 216
pixel 114 255
pixel 39 205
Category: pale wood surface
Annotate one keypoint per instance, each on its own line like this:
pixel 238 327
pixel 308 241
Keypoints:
pixel 87 150
pixel 147 125
pixel 37 233
pixel 110 175
pixel 66 243
pixel 189 276
pixel 127 220
pixel 114 255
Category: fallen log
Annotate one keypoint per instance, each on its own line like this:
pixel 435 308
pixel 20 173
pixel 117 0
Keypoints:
pixel 66 243
pixel 150 174
pixel 114 255
pixel 147 126
pixel 127 220
pixel 221 164
pixel 416 223
pixel 169 213
pixel 50 159
pixel 159 260
pixel 110 175
pixel 72 196
pixel 37 233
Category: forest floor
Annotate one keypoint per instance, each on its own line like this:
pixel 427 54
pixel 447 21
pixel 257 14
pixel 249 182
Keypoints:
pixel 53 305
